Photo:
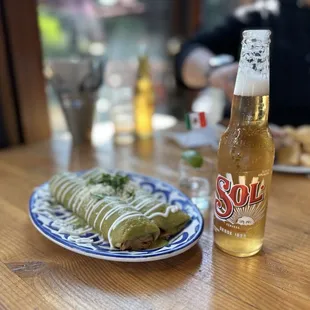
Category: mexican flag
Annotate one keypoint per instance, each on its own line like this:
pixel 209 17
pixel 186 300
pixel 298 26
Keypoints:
pixel 195 120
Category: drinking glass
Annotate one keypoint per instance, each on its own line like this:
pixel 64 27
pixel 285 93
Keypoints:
pixel 122 117
pixel 198 183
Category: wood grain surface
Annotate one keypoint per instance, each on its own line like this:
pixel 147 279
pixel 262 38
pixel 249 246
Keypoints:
pixel 37 274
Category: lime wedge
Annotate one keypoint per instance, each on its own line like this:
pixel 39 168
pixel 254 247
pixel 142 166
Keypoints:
pixel 193 158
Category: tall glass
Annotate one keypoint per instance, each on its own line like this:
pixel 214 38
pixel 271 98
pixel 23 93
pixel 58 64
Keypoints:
pixel 122 116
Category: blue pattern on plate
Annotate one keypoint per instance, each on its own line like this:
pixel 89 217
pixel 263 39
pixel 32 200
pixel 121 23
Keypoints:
pixel 47 220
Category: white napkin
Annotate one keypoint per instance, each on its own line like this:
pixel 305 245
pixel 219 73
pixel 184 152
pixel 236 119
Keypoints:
pixel 208 136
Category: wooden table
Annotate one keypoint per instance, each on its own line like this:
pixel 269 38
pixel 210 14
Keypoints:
pixel 37 274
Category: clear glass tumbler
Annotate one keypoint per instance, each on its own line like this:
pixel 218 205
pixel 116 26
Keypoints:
pixel 122 117
pixel 198 183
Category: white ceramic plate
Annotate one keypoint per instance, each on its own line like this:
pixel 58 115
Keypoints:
pixel 291 169
pixel 53 222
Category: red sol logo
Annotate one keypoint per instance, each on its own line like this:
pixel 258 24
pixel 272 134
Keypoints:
pixel 230 196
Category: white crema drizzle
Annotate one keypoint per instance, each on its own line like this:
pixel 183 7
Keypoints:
pixel 100 212
pixel 121 219
pixel 172 209
pixel 143 203
pixel 93 208
pixel 154 208
pixel 67 223
pixel 146 199
pixel 116 205
pixel 79 195
pixel 80 199
pixel 73 197
pixel 66 191
pixel 59 184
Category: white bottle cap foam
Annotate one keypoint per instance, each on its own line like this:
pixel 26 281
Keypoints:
pixel 251 85
pixel 253 72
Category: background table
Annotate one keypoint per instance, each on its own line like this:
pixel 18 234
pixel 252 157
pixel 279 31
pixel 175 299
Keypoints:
pixel 37 274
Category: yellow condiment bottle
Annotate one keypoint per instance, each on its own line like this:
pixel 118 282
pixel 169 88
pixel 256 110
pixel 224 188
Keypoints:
pixel 144 100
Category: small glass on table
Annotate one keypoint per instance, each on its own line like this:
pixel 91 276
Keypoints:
pixel 122 117
pixel 197 181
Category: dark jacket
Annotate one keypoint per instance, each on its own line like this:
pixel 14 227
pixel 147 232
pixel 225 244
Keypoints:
pixel 289 54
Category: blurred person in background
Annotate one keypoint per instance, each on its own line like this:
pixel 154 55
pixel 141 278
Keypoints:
pixel 203 60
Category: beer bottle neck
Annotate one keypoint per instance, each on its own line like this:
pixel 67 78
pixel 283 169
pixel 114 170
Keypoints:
pixel 249 111
pixel 144 67
pixel 250 106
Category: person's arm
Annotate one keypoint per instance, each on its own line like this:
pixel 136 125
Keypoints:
pixel 193 60
pixel 195 66
pixel 192 63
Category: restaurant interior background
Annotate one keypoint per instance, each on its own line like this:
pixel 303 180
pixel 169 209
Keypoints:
pixel 109 30
pixel 114 30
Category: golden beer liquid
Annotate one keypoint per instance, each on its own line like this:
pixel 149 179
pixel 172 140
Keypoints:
pixel 246 150
pixel 144 100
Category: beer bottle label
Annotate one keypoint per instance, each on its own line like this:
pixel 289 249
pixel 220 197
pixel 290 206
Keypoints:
pixel 241 201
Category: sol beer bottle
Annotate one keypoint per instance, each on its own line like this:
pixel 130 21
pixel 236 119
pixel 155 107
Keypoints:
pixel 246 154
